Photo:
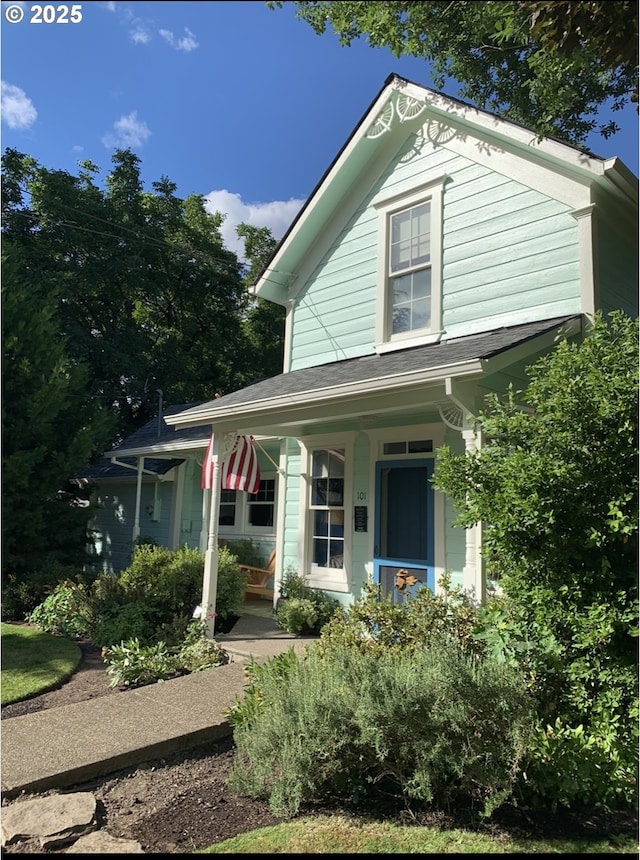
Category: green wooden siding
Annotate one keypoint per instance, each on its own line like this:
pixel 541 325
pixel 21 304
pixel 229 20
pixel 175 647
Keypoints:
pixel 510 255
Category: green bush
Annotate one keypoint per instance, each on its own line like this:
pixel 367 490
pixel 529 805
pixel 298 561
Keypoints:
pixel 246 552
pixel 375 625
pixel 302 609
pixel 197 652
pixel 67 611
pixel 297 615
pixel 131 664
pixel 169 579
pixel 555 486
pixel 22 593
pixel 231 584
pixel 119 622
pixel 433 726
pixel 134 664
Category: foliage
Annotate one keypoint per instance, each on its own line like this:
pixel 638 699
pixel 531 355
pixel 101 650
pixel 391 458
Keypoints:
pixel 49 425
pixel 168 579
pixel 264 325
pixel 22 593
pixel 556 487
pixel 302 609
pixel 132 664
pixel 374 625
pixel 431 726
pixel 106 289
pixel 197 652
pixel 244 711
pixel 297 615
pixel 547 65
pixel 231 585
pixel 121 621
pixel 67 611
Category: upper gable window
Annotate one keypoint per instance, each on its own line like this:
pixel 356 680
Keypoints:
pixel 409 268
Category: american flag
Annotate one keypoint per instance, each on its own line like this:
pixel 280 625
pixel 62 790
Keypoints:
pixel 240 472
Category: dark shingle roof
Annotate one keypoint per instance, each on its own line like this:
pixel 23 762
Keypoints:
pixel 388 365
pixel 150 434
pixel 104 468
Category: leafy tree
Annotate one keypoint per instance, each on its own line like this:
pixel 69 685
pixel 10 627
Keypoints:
pixel 49 424
pixel 547 65
pixel 147 295
pixel 264 324
pixel 555 485
pixel 110 294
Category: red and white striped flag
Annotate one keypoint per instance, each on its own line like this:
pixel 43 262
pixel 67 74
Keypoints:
pixel 240 472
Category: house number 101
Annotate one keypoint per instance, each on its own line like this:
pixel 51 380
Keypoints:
pixel 361 495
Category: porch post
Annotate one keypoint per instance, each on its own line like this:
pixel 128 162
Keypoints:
pixel 210 579
pixel 472 572
pixel 220 453
pixel 136 521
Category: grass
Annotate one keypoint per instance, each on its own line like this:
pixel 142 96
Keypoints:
pixel 33 662
pixel 337 835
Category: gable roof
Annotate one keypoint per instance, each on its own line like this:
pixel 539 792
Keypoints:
pixel 402 106
pixel 371 374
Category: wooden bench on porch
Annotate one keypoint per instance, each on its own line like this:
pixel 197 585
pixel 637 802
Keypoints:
pixel 260 577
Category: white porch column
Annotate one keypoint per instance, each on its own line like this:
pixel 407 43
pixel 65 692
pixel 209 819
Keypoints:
pixel 472 572
pixel 136 521
pixel 221 450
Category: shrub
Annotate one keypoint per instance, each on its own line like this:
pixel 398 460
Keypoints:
pixel 433 726
pixel 302 609
pixel 22 593
pixel 375 625
pixel 297 615
pixel 197 652
pixel 119 622
pixel 131 664
pixel 170 579
pixel 134 664
pixel 231 584
pixel 67 611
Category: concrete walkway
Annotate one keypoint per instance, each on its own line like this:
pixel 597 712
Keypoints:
pixel 60 747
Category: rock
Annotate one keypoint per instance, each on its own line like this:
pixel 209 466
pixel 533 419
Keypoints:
pixel 102 842
pixel 55 820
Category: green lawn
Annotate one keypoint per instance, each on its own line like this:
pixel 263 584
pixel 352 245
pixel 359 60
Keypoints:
pixel 33 662
pixel 335 835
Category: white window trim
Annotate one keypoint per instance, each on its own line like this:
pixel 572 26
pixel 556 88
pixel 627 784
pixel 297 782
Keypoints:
pixel 241 525
pixel 326 578
pixel 428 192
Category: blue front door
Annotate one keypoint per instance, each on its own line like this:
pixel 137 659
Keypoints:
pixel 403 543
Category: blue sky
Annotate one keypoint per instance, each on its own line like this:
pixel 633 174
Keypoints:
pixel 244 105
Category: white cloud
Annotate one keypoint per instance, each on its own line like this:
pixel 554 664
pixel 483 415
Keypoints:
pixel 16 107
pixel 77 148
pixel 140 35
pixel 277 216
pixel 128 131
pixel 187 43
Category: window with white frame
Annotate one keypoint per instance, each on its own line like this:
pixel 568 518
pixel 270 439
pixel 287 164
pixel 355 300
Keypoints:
pixel 245 512
pixel 409 280
pixel 261 506
pixel 326 507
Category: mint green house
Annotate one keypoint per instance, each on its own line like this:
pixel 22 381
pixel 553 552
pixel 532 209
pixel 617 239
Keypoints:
pixel 440 254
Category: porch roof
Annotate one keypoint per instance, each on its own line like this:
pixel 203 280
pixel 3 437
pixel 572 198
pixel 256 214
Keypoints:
pixel 368 374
